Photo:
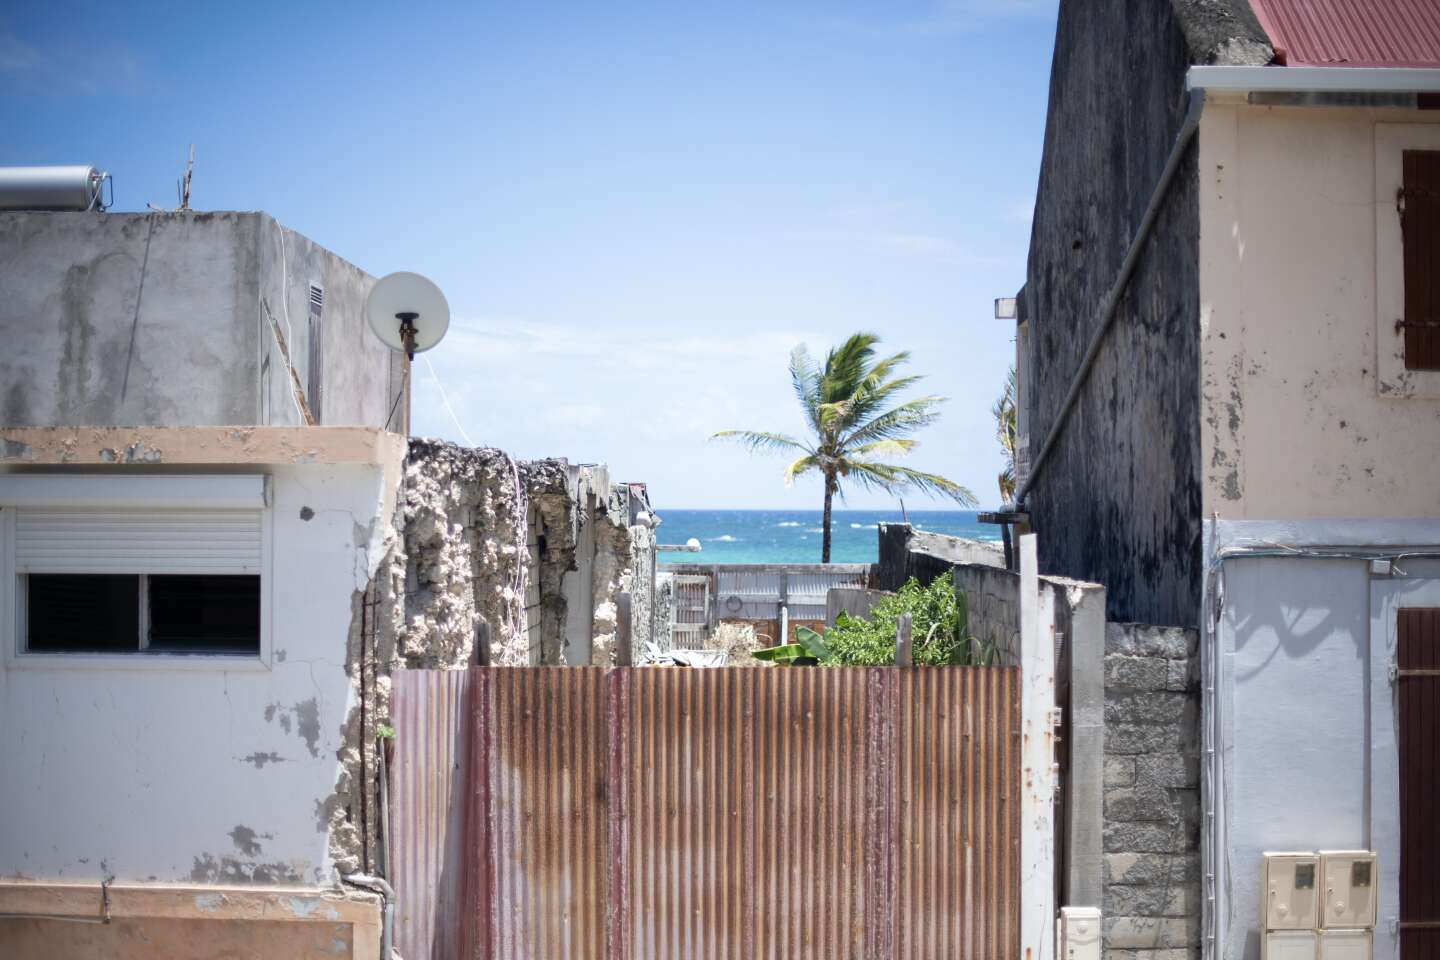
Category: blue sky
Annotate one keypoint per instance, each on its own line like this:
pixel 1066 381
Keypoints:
pixel 635 209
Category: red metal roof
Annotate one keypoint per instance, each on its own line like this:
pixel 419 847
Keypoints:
pixel 1353 33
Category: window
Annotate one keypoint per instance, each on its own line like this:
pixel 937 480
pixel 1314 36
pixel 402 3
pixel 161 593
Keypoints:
pixel 97 566
pixel 108 613
pixel 1419 206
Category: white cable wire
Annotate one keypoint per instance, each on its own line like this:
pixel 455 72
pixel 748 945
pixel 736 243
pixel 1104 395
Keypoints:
pixel 446 399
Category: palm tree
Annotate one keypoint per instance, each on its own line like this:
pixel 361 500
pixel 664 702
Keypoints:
pixel 1006 433
pixel 854 430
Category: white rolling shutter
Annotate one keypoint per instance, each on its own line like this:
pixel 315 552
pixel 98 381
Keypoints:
pixel 137 541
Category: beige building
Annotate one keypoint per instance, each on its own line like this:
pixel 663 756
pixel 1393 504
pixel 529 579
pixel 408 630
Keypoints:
pixel 1320 355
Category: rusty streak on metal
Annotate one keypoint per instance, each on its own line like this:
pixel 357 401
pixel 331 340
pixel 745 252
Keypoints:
pixel 735 813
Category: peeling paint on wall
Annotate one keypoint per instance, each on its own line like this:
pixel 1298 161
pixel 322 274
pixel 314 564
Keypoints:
pixel 210 869
pixel 258 759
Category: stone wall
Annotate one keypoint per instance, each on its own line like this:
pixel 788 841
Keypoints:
pixel 1152 804
pixel 993 598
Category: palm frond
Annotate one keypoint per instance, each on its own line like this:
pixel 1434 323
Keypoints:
pixel 893 479
pixel 805 379
pixel 884 448
pixel 846 366
pixel 803 465
pixel 760 442
pixel 935 484
pixel 897 421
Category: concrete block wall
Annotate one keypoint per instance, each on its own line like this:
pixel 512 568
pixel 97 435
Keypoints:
pixel 1152 803
pixel 993 595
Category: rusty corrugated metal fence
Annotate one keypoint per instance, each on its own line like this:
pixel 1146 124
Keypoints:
pixel 860 813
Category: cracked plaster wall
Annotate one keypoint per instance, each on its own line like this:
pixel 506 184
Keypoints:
pixel 1307 411
pixel 214 772
pixel 157 319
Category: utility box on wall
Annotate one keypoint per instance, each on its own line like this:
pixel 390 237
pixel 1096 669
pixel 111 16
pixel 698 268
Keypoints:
pixel 1291 891
pixel 1349 888
pixel 1345 944
pixel 1079 933
pixel 1318 906
pixel 1289 945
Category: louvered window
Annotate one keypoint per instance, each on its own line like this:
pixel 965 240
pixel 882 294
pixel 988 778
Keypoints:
pixel 157 565
pixel 1420 226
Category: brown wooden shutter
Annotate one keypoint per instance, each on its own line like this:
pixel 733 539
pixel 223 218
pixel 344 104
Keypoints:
pixel 1420 224
pixel 1417 658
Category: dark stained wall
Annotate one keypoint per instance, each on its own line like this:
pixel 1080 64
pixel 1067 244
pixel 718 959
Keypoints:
pixel 1119 501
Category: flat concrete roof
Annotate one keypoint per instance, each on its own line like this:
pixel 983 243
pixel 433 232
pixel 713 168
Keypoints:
pixel 195 446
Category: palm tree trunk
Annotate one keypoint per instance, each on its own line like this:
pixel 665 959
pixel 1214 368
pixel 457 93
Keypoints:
pixel 825 522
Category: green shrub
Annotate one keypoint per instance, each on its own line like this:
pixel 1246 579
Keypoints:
pixel 939 625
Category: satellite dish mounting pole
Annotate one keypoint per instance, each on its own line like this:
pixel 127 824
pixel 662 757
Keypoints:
pixel 407 333
pixel 407 339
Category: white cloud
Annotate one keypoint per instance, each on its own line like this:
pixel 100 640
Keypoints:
pixel 570 390
pixel 69 70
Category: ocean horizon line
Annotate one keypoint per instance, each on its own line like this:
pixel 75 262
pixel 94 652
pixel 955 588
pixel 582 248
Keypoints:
pixel 818 511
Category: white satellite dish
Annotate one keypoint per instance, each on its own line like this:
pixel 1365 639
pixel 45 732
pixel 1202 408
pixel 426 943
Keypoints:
pixel 407 312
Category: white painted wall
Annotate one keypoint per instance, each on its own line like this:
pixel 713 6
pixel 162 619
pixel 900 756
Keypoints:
pixel 144 773
pixel 1307 704
pixel 1296 321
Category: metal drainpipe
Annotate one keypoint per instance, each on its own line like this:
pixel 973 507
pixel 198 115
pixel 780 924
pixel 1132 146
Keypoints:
pixel 1106 313
pixel 387 917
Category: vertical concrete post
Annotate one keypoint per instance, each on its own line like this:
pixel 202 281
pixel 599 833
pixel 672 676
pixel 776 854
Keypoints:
pixel 1085 790
pixel 1038 771
pixel 904 640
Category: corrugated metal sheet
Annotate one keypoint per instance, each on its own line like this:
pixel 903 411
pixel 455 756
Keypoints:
pixel 1358 33
pixel 547 812
pixel 740 813
pixel 1417 656
pixel 753 595
pixel 428 854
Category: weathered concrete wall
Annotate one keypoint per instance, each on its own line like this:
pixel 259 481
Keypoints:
pixel 1152 804
pixel 466 569
pixel 906 552
pixel 1308 410
pixel 624 563
pixel 1119 500
pixel 213 771
pixel 355 378
pixel 464 554
pixel 160 320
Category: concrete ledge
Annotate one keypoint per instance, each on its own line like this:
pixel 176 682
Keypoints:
pixel 199 922
pixel 195 446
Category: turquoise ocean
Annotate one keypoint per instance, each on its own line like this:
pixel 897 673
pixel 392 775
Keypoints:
pixel 793 536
